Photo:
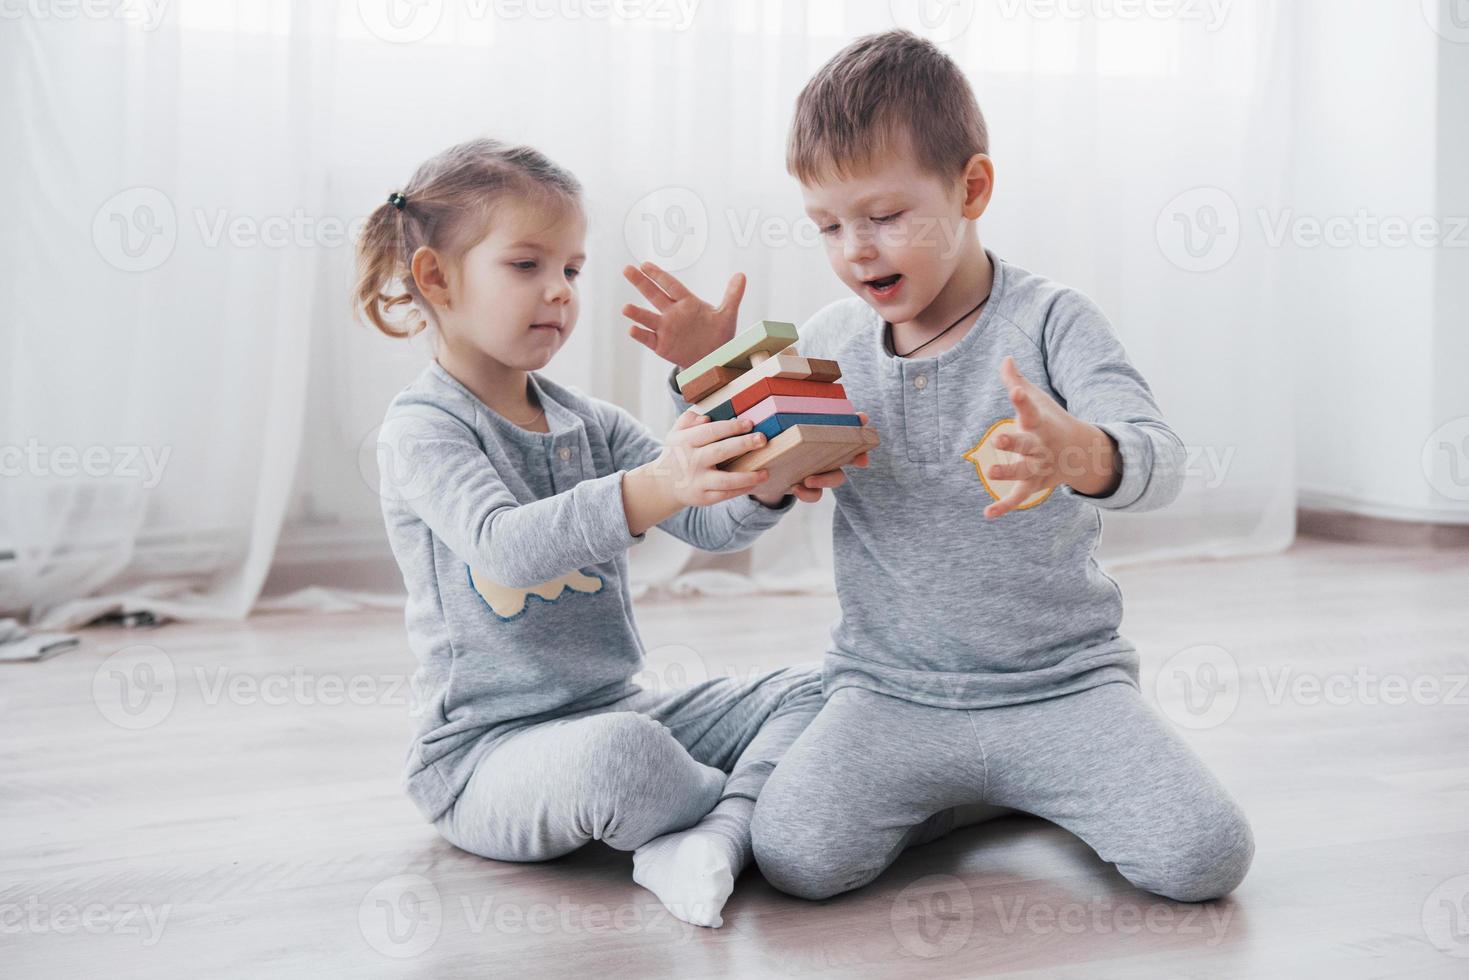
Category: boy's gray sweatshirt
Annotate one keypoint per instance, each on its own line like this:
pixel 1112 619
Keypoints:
pixel 513 547
pixel 939 605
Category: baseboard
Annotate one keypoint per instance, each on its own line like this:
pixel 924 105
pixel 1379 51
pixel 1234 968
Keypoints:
pixel 1338 525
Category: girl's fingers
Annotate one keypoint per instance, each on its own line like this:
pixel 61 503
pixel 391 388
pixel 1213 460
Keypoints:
pixel 1027 413
pixel 728 449
pixel 862 417
pixel 825 481
pixel 687 419
pixel 715 431
pixel 1018 441
pixel 722 481
pixel 860 460
pixel 666 282
pixel 805 494
pixel 1010 501
pixel 647 318
pixel 647 287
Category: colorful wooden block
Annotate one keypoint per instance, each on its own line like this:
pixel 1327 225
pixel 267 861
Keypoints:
pixel 774 425
pixel 803 450
pixel 711 380
pixel 757 393
pixel 823 370
pixel 767 336
pixel 787 365
pixel 795 404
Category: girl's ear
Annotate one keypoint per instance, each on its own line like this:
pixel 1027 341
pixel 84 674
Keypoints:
pixel 430 276
pixel 979 185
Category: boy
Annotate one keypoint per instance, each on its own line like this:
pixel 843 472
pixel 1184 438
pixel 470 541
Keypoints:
pixel 976 667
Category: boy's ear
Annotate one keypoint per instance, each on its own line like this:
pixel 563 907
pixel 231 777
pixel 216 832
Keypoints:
pixel 979 185
pixel 430 276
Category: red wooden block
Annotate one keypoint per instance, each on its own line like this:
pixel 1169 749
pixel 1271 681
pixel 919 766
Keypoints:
pixel 762 390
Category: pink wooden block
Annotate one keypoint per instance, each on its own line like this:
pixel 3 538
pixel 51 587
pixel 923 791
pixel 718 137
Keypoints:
pixel 792 404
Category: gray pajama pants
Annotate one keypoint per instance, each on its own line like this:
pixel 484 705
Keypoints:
pixel 873 775
pixel 625 773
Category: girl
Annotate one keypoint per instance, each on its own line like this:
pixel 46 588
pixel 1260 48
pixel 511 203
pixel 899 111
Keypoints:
pixel 510 503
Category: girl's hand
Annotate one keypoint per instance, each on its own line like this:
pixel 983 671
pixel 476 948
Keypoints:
pixel 684 328
pixel 1055 447
pixel 809 489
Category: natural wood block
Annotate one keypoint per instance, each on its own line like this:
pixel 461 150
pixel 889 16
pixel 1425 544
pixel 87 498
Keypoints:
pixel 803 450
pixel 770 336
pixel 823 370
pixel 711 380
pixel 787 365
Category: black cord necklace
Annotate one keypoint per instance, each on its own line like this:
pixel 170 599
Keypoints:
pixel 943 331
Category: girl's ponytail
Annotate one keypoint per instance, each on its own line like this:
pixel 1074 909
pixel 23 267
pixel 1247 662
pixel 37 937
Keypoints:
pixel 382 272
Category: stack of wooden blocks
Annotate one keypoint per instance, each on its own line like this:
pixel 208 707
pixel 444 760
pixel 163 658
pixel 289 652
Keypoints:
pixel 795 401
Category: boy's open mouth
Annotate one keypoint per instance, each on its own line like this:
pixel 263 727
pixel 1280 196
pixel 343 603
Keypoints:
pixel 884 286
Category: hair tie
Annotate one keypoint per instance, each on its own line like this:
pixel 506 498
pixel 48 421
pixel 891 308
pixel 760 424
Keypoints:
pixel 397 200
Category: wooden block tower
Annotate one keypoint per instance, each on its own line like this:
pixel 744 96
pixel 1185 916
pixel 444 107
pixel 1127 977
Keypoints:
pixel 794 400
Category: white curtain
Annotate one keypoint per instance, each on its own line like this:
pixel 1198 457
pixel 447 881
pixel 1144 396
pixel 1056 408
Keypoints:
pixel 178 255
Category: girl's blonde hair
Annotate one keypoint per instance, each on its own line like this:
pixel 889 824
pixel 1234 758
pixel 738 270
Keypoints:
pixel 446 206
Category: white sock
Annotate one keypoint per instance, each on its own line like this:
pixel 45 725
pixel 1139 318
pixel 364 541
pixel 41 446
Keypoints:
pixel 693 871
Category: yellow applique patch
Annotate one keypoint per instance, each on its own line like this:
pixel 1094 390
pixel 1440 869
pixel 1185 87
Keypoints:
pixel 508 603
pixel 986 454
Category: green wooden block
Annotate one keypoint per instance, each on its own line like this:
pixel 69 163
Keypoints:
pixel 770 336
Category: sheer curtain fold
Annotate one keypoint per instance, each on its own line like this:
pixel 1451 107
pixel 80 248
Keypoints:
pixel 182 257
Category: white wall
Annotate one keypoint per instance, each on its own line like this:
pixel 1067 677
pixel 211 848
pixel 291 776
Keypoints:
pixel 1380 127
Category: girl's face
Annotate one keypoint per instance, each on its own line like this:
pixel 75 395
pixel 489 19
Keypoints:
pixel 514 295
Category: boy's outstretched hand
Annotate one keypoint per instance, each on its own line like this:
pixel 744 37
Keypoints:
pixel 1055 447
pixel 681 327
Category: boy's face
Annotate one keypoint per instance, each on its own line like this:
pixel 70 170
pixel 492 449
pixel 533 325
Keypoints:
pixel 893 232
pixel 515 296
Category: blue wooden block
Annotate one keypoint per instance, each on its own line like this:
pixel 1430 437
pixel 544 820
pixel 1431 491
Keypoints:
pixel 774 425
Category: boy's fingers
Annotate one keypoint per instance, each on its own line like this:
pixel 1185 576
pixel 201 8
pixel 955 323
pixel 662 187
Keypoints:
pixel 825 481
pixel 647 339
pixel 647 287
pixel 721 481
pixel 1026 412
pixel 647 318
pixel 805 494
pixel 1010 501
pixel 666 282
pixel 1018 441
pixel 734 292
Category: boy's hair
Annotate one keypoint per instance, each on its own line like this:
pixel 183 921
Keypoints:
pixel 446 206
pixel 878 92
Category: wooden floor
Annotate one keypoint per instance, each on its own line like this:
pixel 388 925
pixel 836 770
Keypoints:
pixel 241 815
